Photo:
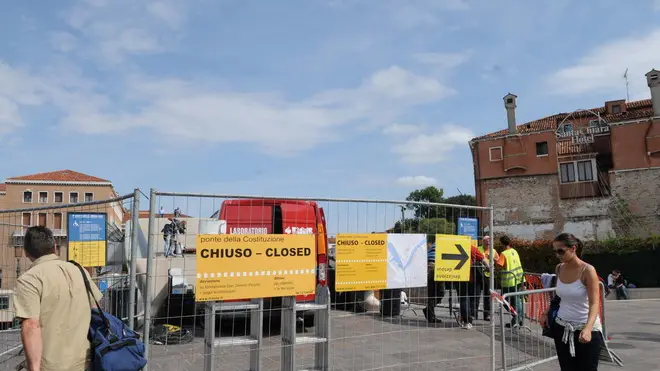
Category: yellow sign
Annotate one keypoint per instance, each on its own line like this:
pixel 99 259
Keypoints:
pixel 236 266
pixel 87 253
pixel 452 257
pixel 361 262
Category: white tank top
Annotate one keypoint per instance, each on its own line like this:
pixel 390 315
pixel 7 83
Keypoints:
pixel 574 306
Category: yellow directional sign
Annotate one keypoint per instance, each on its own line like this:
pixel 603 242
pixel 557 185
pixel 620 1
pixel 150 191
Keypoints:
pixel 452 257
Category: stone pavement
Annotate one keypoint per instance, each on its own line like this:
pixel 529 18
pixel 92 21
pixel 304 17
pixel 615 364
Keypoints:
pixel 10 340
pixel 367 341
pixel 634 329
pixel 364 341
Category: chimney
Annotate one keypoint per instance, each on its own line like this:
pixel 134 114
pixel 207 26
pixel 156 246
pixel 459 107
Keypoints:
pixel 653 81
pixel 510 105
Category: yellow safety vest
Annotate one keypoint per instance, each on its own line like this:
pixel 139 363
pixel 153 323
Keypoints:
pixel 486 261
pixel 514 275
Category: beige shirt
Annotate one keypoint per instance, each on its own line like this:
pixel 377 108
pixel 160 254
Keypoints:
pixel 54 291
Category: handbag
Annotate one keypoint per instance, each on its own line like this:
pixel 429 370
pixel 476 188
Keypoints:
pixel 552 316
pixel 115 347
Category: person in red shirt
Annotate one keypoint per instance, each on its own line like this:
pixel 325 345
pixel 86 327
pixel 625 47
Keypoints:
pixel 469 291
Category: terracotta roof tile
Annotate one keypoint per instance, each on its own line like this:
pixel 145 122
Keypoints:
pixel 60 176
pixel 639 103
pixel 634 110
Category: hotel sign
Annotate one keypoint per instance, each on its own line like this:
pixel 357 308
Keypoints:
pixel 583 135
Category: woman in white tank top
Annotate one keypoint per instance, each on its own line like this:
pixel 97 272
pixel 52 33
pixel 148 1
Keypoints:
pixel 577 331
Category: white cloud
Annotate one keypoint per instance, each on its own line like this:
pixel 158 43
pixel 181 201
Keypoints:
pixel 10 118
pixel 185 111
pixel 17 88
pixel 396 85
pixel 129 41
pixel 193 112
pixel 416 181
pixel 173 14
pixel 199 111
pixel 115 29
pixel 433 148
pixel 602 68
pixel 401 129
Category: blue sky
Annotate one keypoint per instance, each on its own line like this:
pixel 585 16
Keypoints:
pixel 333 98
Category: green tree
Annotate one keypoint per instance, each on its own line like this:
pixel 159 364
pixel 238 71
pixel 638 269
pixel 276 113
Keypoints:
pixel 408 225
pixel 434 219
pixel 429 194
pixel 436 225
pixel 465 200
pixel 427 226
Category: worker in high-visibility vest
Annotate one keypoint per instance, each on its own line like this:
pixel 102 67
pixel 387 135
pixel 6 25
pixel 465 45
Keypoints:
pixel 484 248
pixel 512 278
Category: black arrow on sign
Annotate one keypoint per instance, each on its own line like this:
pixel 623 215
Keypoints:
pixel 462 257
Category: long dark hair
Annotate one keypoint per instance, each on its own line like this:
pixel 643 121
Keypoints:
pixel 569 240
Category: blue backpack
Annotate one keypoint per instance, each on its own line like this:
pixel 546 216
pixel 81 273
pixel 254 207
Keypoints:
pixel 115 347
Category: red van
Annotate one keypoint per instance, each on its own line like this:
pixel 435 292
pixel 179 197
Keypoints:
pixel 276 216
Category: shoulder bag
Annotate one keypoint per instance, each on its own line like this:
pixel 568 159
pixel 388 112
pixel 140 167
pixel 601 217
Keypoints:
pixel 115 347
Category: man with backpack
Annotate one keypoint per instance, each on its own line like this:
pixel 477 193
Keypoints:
pixel 53 306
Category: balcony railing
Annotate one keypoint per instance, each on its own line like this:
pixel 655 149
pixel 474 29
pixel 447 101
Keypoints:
pixel 18 236
pixel 56 233
pixel 59 232
pixel 596 188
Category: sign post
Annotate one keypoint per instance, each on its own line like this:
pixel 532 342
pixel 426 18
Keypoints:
pixel 452 258
pixel 469 227
pixel 254 267
pixel 87 238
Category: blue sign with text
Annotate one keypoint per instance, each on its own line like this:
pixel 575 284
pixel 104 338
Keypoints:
pixel 468 227
pixel 86 227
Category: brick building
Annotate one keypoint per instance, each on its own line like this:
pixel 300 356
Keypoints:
pixel 46 190
pixel 594 173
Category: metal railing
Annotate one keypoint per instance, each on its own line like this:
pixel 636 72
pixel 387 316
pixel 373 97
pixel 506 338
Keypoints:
pixel 112 269
pixel 524 346
pixel 355 330
pixel 525 343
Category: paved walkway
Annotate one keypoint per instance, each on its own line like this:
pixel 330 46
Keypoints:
pixel 634 329
pixel 370 342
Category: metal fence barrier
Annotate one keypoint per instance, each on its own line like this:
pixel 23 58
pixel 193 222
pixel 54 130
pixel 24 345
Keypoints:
pixel 382 329
pixel 524 347
pixel 113 269
pixel 422 326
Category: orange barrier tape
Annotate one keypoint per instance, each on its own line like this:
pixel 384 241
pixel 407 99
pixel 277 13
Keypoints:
pixel 536 305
